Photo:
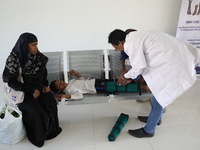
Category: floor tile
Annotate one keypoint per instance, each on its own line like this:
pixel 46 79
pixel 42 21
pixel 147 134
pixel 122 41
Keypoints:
pixel 87 126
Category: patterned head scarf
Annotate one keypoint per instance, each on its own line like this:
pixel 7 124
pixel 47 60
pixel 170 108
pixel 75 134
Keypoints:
pixel 21 57
pixel 21 47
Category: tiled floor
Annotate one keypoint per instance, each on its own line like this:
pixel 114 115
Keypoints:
pixel 86 127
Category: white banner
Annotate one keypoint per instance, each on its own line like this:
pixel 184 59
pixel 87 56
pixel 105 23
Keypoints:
pixel 189 23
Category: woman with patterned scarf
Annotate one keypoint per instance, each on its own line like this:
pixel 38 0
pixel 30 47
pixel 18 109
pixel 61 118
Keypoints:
pixel 39 108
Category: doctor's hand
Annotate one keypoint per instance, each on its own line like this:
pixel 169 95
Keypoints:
pixel 128 81
pixel 123 81
pixel 123 72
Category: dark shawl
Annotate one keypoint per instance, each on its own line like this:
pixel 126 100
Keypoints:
pixel 33 66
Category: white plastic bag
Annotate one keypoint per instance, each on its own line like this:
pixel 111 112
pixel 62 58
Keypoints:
pixel 11 126
pixel 14 96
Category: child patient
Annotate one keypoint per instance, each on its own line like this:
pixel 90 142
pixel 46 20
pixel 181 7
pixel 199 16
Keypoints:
pixel 76 87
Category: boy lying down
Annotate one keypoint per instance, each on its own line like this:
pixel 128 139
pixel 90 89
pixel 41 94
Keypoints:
pixel 77 87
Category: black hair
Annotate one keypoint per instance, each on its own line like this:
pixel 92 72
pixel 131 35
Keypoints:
pixel 130 30
pixel 116 36
pixel 53 86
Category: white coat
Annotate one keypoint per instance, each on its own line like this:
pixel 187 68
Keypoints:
pixel 165 62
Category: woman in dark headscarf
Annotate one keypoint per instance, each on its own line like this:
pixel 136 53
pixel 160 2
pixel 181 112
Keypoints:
pixel 39 108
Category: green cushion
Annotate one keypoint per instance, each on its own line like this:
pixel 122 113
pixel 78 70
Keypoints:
pixel 112 87
pixel 121 88
pixel 131 87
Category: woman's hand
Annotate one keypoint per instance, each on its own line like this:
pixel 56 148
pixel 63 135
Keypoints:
pixel 46 89
pixel 36 93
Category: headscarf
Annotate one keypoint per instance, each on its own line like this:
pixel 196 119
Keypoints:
pixel 21 57
pixel 21 47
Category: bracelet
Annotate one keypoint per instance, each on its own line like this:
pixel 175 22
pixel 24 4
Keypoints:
pixel 123 78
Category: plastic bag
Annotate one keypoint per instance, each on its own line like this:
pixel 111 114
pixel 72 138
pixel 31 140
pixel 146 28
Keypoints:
pixel 11 126
pixel 14 96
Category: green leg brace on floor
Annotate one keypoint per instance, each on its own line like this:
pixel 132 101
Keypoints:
pixel 121 121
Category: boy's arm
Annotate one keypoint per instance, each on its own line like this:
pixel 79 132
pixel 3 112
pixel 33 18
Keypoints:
pixel 61 96
pixel 73 72
pixel 75 95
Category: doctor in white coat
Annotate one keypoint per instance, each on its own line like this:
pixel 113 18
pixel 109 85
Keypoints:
pixel 166 63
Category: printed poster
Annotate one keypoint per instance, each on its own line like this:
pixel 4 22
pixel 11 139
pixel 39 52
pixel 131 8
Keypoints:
pixel 189 23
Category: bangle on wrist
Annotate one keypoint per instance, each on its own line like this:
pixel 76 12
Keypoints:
pixel 123 78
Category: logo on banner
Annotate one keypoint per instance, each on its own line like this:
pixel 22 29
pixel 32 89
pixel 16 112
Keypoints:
pixel 189 24
pixel 195 11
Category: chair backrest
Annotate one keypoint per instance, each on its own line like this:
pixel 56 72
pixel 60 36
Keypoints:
pixel 115 64
pixel 88 63
pixel 55 66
